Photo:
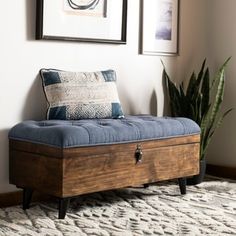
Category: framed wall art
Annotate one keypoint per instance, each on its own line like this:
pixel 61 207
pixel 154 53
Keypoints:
pixel 82 20
pixel 160 27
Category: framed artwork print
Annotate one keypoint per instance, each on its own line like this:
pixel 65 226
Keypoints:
pixel 82 20
pixel 160 27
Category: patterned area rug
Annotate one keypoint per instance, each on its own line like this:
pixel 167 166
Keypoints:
pixel 206 209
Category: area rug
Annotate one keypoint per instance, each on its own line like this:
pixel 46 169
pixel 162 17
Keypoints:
pixel 206 209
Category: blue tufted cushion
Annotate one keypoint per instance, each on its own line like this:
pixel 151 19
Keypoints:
pixel 92 132
pixel 81 95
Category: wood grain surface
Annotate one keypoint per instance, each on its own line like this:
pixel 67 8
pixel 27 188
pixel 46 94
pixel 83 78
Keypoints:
pixel 74 171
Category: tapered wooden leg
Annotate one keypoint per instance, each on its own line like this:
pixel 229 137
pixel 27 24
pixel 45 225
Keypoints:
pixel 63 205
pixel 27 196
pixel 182 185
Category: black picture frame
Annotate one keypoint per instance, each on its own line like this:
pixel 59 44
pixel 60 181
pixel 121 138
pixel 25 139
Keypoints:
pixel 41 35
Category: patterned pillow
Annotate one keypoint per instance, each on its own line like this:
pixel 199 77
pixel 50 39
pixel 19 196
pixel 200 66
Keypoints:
pixel 81 95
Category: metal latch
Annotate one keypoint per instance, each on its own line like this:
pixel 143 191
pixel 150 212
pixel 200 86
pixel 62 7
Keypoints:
pixel 138 154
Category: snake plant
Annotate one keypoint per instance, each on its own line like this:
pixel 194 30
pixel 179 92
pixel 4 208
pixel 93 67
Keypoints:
pixel 201 101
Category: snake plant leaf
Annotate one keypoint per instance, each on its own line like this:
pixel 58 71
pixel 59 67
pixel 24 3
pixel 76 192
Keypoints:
pixel 204 128
pixel 199 109
pixel 219 95
pixel 174 96
pixel 201 72
pixel 169 84
pixel 206 136
pixel 183 101
pixel 181 90
pixel 204 120
pixel 218 124
pixel 205 91
pixel 191 86
pixel 193 112
pixel 218 98
pixel 218 75
pixel 220 121
pixel 197 89
pixel 199 81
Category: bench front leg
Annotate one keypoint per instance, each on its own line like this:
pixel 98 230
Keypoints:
pixel 63 206
pixel 182 185
pixel 27 196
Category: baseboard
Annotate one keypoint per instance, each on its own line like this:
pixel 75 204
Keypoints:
pixel 15 198
pixel 221 171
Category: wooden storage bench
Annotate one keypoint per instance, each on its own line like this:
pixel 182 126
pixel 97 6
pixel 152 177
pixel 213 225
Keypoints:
pixel 69 158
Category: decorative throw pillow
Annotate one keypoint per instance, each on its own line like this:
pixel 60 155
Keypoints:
pixel 81 95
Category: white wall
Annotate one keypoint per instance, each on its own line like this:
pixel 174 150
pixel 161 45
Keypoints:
pixel 139 76
pixel 221 41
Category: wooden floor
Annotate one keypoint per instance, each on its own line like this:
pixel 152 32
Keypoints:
pixel 221 171
pixel 15 198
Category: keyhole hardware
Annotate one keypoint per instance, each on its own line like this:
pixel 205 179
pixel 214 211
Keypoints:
pixel 138 154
